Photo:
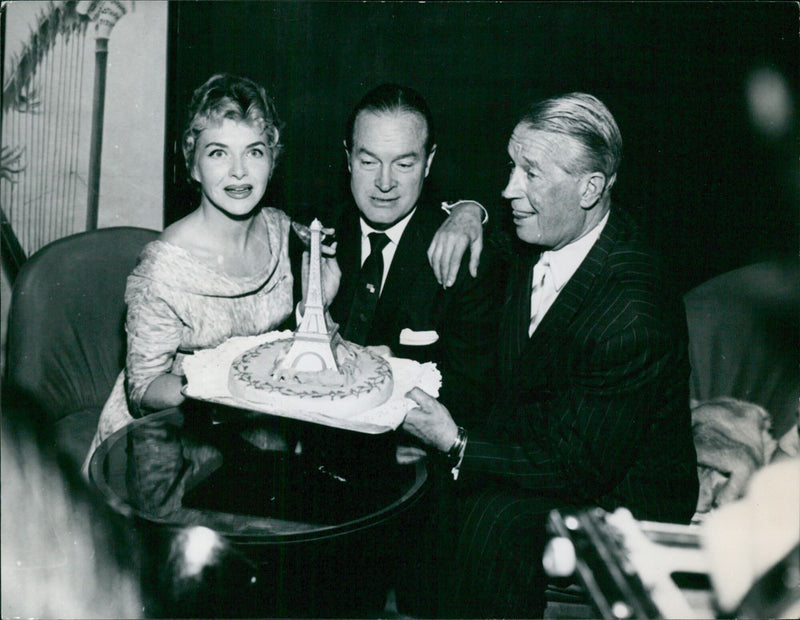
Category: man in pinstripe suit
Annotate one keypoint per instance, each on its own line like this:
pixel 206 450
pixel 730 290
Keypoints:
pixel 592 406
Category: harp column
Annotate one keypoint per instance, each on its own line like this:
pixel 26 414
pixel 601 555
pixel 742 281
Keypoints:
pixel 105 14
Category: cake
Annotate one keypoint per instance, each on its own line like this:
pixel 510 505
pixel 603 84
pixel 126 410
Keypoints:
pixel 363 380
pixel 316 370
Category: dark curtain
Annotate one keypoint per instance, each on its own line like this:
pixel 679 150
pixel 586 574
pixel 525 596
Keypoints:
pixel 713 192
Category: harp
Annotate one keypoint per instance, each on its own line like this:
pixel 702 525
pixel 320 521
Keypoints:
pixel 52 125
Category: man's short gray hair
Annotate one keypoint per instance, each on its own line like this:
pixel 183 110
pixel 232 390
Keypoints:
pixel 585 118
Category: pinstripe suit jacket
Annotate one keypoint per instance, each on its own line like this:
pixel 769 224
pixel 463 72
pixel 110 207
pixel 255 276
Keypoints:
pixel 594 407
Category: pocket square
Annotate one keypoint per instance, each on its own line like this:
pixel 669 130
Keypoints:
pixel 417 339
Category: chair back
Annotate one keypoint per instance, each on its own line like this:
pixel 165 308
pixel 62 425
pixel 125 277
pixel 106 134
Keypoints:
pixel 66 339
pixel 744 330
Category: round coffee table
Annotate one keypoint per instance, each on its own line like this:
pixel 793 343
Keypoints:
pixel 322 540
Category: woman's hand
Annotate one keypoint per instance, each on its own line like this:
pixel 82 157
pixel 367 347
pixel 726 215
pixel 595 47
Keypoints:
pixel 304 234
pixel 163 392
pixel 461 230
pixel 380 349
pixel 330 273
pixel 331 277
pixel 430 422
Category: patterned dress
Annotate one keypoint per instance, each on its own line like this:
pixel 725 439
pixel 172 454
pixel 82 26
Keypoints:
pixel 177 305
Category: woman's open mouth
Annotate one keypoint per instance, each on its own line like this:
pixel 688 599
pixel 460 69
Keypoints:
pixel 239 191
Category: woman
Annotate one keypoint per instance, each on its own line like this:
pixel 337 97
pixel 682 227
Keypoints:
pixel 221 271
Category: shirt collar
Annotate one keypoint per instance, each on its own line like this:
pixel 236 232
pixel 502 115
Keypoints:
pixel 565 261
pixel 394 232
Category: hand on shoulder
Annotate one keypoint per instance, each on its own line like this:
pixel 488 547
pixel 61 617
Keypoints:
pixel 462 230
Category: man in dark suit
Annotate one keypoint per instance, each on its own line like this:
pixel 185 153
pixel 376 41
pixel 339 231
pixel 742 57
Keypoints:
pixel 592 406
pixel 389 296
pixel 390 147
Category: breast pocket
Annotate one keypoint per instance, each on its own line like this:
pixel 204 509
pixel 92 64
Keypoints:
pixel 422 344
pixel 418 338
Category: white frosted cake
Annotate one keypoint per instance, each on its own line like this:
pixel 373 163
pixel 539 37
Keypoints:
pixel 364 380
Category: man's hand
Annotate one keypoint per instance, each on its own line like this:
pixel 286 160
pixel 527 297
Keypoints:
pixel 462 229
pixel 431 422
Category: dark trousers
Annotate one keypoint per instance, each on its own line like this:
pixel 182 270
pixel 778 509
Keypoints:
pixel 477 553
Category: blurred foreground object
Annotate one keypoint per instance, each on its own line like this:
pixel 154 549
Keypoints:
pixel 733 440
pixel 64 555
pixel 744 540
pixel 769 102
pixel 629 568
pixel 742 562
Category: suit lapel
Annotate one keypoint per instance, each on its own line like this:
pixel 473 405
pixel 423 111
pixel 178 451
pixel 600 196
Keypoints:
pixel 516 313
pixel 409 260
pixel 550 334
pixel 348 254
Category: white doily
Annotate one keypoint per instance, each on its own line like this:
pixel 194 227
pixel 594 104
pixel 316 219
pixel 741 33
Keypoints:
pixel 207 379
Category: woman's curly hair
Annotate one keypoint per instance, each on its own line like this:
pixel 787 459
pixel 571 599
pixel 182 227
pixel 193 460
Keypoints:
pixel 226 96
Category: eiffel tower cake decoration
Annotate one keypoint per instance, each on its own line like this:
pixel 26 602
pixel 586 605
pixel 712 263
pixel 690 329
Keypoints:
pixel 312 348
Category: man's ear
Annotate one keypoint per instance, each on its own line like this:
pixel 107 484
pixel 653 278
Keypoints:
pixel 429 160
pixel 347 155
pixel 593 186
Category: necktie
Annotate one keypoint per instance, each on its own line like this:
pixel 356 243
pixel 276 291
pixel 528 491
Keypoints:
pixel 542 285
pixel 367 292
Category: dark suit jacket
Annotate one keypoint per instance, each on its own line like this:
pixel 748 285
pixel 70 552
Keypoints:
pixel 465 316
pixel 594 407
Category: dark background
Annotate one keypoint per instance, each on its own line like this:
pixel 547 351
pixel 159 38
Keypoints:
pixel 713 193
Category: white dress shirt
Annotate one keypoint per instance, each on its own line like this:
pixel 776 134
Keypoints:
pixel 560 266
pixel 395 233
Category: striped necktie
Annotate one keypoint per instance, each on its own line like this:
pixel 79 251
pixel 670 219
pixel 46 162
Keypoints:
pixel 541 288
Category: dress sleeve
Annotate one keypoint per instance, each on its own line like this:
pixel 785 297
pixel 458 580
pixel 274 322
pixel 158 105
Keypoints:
pixel 154 334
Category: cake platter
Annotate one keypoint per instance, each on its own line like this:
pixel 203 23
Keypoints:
pixel 312 352
pixel 207 380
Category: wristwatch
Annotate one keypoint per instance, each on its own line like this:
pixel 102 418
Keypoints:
pixel 455 455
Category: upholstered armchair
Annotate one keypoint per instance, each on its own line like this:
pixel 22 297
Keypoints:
pixel 66 339
pixel 744 346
